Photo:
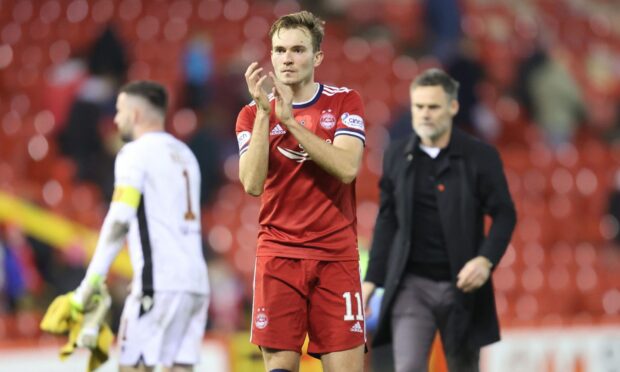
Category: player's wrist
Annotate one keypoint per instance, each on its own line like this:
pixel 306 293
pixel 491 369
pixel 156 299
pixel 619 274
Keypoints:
pixel 288 121
pixel 76 301
pixel 89 286
pixel 264 111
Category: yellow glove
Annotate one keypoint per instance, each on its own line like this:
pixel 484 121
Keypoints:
pixel 57 318
pixel 62 317
pixel 99 353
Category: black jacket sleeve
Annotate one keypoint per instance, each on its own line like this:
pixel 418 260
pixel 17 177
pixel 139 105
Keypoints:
pixel 497 203
pixel 385 226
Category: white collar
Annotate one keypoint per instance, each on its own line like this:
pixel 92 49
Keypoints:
pixel 433 152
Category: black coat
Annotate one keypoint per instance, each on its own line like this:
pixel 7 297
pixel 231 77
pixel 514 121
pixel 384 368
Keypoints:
pixel 470 185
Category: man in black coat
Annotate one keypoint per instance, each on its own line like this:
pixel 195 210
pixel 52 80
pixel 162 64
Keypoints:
pixel 429 250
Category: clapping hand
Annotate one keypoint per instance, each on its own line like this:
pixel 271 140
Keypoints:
pixel 255 81
pixel 284 100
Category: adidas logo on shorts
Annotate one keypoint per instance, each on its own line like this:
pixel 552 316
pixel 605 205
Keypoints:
pixel 357 328
pixel 277 130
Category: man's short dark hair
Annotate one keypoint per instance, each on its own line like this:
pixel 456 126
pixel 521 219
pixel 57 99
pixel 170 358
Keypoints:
pixel 433 77
pixel 151 91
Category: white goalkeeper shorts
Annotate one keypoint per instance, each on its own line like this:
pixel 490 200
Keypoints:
pixel 166 331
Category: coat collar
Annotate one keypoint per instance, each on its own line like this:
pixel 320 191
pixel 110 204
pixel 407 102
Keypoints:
pixel 456 143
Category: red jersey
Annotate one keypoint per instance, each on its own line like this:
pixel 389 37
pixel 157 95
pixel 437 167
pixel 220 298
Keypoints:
pixel 306 212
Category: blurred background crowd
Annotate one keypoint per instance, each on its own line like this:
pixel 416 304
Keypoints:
pixel 539 78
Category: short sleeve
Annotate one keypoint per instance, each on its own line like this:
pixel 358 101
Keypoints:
pixel 243 128
pixel 352 118
pixel 130 168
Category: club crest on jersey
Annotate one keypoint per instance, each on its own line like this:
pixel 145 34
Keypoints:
pixel 243 138
pixel 352 121
pixel 328 120
pixel 261 320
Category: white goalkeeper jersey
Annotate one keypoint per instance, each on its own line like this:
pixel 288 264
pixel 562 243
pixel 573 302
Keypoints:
pixel 164 238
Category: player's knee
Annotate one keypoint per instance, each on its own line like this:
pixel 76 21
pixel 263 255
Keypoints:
pixel 280 360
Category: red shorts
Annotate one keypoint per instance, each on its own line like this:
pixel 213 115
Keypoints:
pixel 294 296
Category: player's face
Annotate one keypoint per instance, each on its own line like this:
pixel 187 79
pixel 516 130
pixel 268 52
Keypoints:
pixel 432 111
pixel 124 117
pixel 292 56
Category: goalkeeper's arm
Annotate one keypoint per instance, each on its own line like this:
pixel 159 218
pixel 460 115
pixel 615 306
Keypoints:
pixel 111 239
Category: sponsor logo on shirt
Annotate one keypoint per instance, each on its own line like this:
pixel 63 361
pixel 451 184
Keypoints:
pixel 353 121
pixel 243 138
pixel 298 156
pixel 277 130
pixel 328 120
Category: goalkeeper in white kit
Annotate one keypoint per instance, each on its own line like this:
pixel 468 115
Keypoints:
pixel 156 208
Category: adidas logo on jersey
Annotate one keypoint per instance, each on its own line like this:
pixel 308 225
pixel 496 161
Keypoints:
pixel 277 130
pixel 357 328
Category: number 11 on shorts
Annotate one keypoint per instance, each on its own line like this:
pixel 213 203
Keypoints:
pixel 348 312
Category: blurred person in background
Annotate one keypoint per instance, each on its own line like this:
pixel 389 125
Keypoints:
pixel 206 144
pixel 198 87
pixel 551 95
pixel 156 206
pixel 467 69
pixel 429 250
pixel 31 273
pixel 443 22
pixel 300 150
pixel 12 281
pixel 83 136
pixel 198 70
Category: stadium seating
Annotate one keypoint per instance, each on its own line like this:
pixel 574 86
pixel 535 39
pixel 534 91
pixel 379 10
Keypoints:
pixel 560 265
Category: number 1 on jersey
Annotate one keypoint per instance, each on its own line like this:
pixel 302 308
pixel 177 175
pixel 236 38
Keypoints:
pixel 189 215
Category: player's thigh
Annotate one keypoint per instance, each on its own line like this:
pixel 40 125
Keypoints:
pixel 183 339
pixel 336 313
pixel 190 333
pixel 279 309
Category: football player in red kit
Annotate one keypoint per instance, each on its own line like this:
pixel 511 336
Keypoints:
pixel 300 150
